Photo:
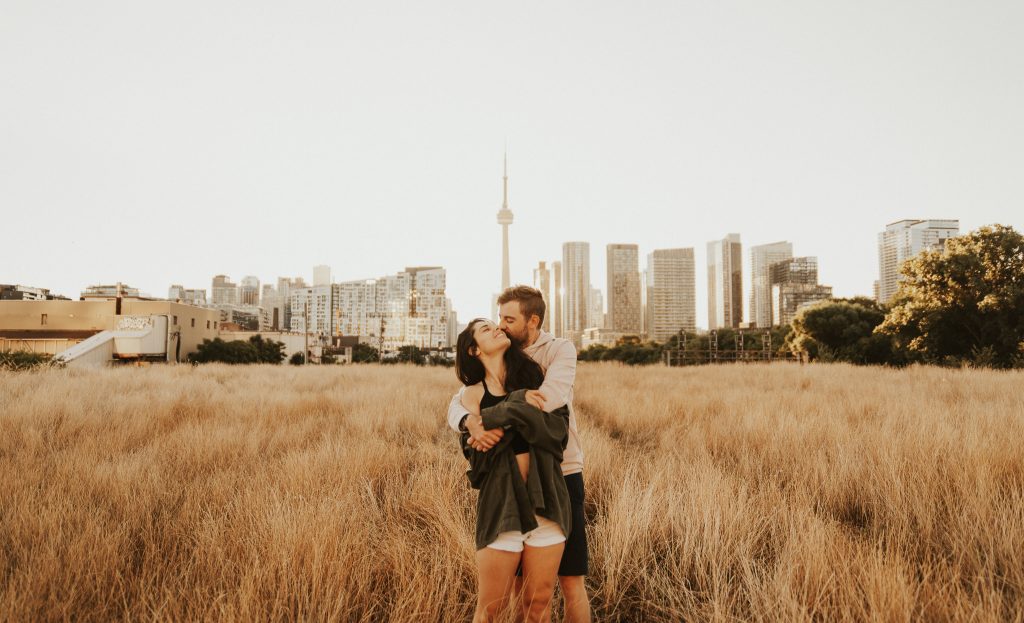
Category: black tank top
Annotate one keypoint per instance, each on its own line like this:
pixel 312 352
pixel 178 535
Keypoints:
pixel 519 445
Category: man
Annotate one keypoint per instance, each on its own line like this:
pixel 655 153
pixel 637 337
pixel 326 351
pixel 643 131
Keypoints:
pixel 521 313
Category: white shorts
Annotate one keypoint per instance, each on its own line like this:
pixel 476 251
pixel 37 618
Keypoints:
pixel 546 533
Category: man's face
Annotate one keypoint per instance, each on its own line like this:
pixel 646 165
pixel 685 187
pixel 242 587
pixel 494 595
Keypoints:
pixel 512 322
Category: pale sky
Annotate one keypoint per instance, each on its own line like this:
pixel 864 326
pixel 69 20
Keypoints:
pixel 159 143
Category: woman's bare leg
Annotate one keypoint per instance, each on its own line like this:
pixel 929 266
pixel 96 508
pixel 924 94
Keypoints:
pixel 496 571
pixel 540 572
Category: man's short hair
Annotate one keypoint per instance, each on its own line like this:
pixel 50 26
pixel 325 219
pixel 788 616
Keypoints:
pixel 531 301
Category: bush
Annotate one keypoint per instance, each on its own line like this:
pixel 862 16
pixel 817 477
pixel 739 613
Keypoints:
pixel 297 359
pixel 256 350
pixel 364 353
pixel 24 360
pixel 843 330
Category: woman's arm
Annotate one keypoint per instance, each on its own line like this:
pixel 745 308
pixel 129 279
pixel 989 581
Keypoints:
pixel 471 397
pixel 480 439
pixel 547 430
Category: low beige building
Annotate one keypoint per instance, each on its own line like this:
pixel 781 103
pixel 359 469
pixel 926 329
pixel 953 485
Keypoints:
pixel 55 326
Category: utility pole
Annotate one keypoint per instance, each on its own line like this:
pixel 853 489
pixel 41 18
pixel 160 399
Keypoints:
pixel 305 323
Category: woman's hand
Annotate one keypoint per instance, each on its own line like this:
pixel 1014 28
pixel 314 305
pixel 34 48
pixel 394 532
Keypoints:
pixel 535 398
pixel 480 439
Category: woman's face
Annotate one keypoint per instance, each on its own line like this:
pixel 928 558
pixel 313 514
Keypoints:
pixel 489 338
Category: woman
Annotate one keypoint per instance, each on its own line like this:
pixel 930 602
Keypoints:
pixel 523 509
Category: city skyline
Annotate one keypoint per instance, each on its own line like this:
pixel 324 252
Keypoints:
pixel 597 311
pixel 368 139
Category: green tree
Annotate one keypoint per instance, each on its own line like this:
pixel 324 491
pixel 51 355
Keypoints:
pixel 964 303
pixel 297 359
pixel 364 353
pixel 268 351
pixel 411 354
pixel 255 350
pixel 842 330
pixel 217 350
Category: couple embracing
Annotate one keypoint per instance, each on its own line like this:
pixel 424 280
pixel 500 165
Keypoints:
pixel 519 435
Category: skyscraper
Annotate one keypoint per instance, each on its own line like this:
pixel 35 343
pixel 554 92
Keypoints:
pixel 284 307
pixel 223 291
pixel 322 275
pixel 725 282
pixel 595 317
pixel 624 288
pixel 411 306
pixel 311 309
pixel 249 291
pixel 671 293
pixel 558 308
pixel 542 281
pixel 576 276
pixel 903 240
pixel 794 285
pixel 504 219
pixel 761 258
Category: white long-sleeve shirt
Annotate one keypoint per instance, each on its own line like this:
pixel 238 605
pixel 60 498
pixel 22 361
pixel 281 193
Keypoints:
pixel 557 357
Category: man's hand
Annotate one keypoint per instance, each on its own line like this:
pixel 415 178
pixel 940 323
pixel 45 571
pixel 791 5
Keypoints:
pixel 480 439
pixel 535 398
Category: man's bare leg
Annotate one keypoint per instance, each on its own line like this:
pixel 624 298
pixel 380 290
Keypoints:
pixel 574 598
pixel 574 595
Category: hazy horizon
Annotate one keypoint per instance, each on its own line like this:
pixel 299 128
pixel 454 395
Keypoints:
pixel 155 144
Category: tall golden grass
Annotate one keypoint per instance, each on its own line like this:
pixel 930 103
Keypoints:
pixel 749 492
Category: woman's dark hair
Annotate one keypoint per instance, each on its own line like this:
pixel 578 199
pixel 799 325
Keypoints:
pixel 521 372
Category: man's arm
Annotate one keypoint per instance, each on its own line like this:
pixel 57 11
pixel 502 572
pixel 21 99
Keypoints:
pixel 559 378
pixel 456 410
pixel 458 414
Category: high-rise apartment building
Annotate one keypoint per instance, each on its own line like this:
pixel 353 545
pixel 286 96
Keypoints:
pixel 270 304
pixel 411 306
pixel 624 288
pixel 249 291
pixel 188 296
pixel 311 310
pixel 762 257
pixel 453 325
pixel 223 291
pixel 558 313
pixel 725 282
pixel 595 317
pixel 355 308
pixel 284 287
pixel 794 286
pixel 903 240
pixel 802 270
pixel 322 275
pixel 427 320
pixel 542 281
pixel 671 282
pixel 576 276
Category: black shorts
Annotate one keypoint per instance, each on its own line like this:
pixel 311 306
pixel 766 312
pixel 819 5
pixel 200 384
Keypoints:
pixel 574 557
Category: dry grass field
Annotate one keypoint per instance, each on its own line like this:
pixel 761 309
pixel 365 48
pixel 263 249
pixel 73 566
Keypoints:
pixel 729 493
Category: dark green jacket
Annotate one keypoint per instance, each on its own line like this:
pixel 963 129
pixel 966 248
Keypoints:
pixel 506 503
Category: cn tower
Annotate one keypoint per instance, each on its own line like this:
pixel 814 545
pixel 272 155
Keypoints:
pixel 504 219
